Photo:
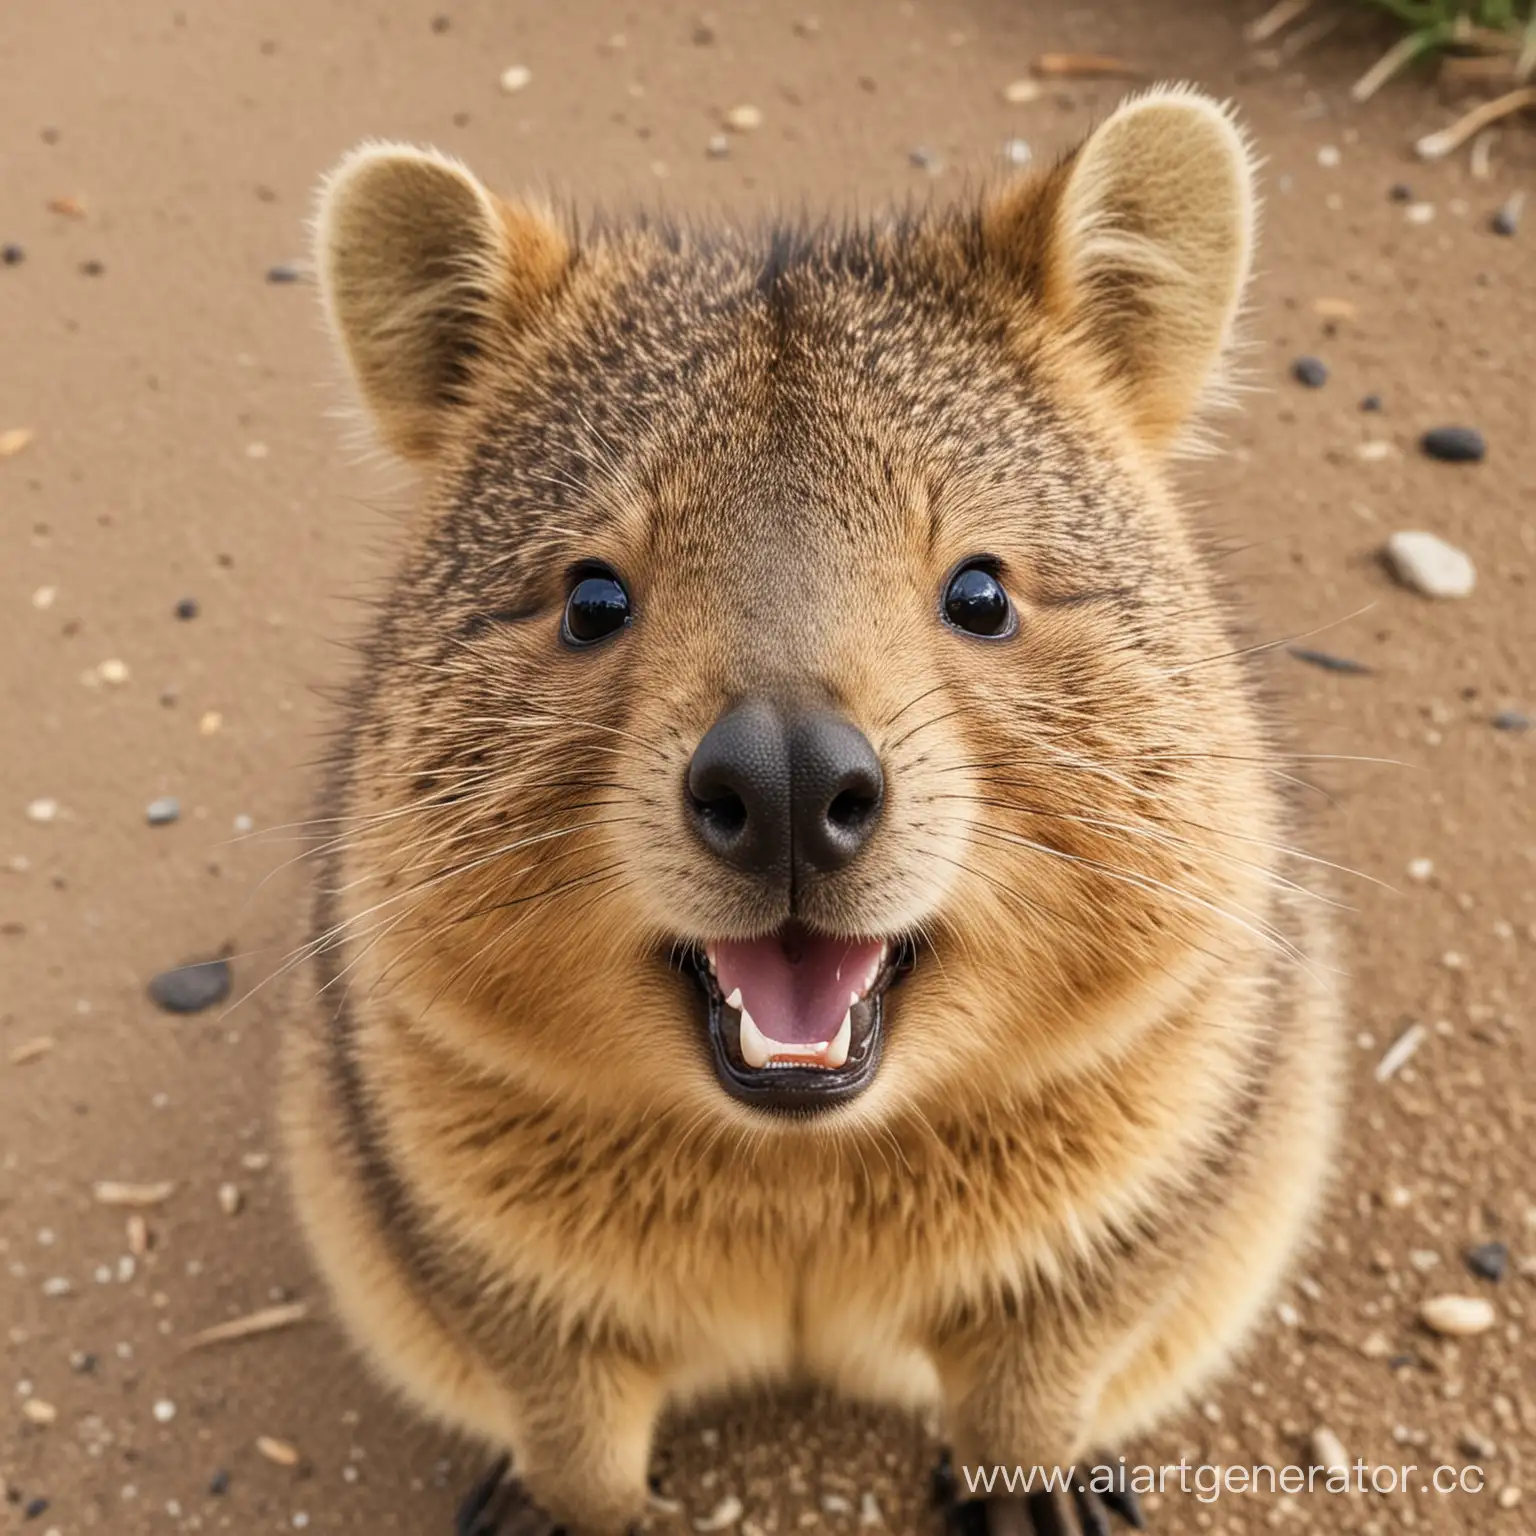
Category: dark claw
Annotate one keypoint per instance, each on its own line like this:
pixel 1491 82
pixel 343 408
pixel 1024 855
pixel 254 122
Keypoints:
pixel 498 1506
pixel 1128 1507
pixel 1091 1514
pixel 945 1488
pixel 1046 1515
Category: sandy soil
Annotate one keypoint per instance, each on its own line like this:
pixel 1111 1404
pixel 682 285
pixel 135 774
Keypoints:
pixel 182 448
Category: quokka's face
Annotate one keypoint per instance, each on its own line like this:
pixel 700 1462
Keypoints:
pixel 799 692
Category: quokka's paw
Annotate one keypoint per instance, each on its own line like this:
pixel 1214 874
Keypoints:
pixel 1080 1512
pixel 499 1505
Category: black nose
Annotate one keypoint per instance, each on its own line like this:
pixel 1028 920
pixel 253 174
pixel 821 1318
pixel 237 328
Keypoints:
pixel 774 794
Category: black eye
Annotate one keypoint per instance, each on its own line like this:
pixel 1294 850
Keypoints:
pixel 598 605
pixel 974 600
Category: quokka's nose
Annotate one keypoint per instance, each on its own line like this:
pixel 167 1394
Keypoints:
pixel 773 794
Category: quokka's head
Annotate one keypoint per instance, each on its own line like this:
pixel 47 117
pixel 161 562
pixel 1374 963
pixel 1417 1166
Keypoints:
pixel 799 692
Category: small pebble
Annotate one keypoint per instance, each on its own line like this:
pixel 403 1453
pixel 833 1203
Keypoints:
pixel 230 1199
pixel 278 1451
pixel 43 810
pixel 1311 371
pixel 36 1411
pixel 92 268
pixel 1454 445
pixel 1511 720
pixel 719 146
pixel 1328 156
pixel 35 1508
pixel 1507 220
pixel 1509 1496
pixel 164 1411
pixel 162 812
pixel 1420 869
pixel 1017 92
pixel 218 1484
pixel 1328 662
pixel 1458 1316
pixel 1429 565
pixel 1017 152
pixel 83 1363
pixel 191 988
pixel 286 272
pixel 12 255
pixel 113 670
pixel 924 159
pixel 515 78
pixel 1488 1261
pixel 1420 213
pixel 1371 403
pixel 743 119
pixel 1329 1449
pixel 869 1510
pixel 187 608
pixel 1401 192
pixel 725 1514
pixel 703 33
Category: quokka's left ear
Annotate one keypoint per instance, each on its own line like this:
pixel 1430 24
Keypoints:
pixel 1137 248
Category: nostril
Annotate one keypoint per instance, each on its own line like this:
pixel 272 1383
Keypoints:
pixel 724 812
pixel 852 810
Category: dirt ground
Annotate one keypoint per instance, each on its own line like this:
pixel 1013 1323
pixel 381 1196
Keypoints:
pixel 184 446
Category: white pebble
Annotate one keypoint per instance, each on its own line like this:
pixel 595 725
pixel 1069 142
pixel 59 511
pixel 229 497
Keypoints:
pixel 1018 152
pixel 1017 92
pixel 44 597
pixel 43 810
pixel 1328 156
pixel 1429 565
pixel 515 78
pixel 1399 1052
pixel 1329 1449
pixel 230 1199
pixel 1419 213
pixel 113 670
pixel 57 1285
pixel 165 1411
pixel 1420 869
pixel 869 1511
pixel 1458 1316
pixel 744 119
pixel 725 1514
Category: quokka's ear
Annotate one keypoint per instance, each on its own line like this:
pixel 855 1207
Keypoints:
pixel 1138 248
pixel 425 276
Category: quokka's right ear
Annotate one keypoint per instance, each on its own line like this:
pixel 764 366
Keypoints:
pixel 425 276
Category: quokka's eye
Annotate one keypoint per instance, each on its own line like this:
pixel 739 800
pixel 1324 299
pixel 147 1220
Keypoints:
pixel 597 607
pixel 975 601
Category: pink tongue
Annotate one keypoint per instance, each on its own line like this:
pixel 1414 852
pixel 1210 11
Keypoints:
pixel 796 987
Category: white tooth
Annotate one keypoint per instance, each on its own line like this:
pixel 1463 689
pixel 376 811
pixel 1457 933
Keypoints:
pixel 734 1000
pixel 837 1050
pixel 754 1044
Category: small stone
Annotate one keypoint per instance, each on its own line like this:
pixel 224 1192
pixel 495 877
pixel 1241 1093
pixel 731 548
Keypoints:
pixel 113 670
pixel 1401 192
pixel 704 33
pixel 515 78
pixel 1328 661
pixel 164 1411
pixel 1311 371
pixel 924 159
pixel 92 268
pixel 1509 1496
pixel 287 272
pixel 218 1484
pixel 1511 720
pixel 162 812
pixel 725 1514
pixel 1328 156
pixel 1419 213
pixel 1329 1449
pixel 1429 565
pixel 1454 445
pixel 191 988
pixel 209 723
pixel 1458 1316
pixel 1507 220
pixel 56 1287
pixel 1375 1346
pixel 1488 1261
pixel 36 1411
pixel 719 146
pixel 277 1451
pixel 1017 152
pixel 1371 402
pixel 1420 869
pixel 35 1509
pixel 83 1363
pixel 744 119
pixel 43 810
pixel 187 608
pixel 230 1199
pixel 13 440
pixel 12 255
pixel 1018 92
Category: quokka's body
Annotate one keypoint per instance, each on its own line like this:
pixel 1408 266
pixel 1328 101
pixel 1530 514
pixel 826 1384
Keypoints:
pixel 809 894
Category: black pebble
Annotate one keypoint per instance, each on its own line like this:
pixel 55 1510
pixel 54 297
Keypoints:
pixel 1488 1261
pixel 35 1508
pixel 1329 662
pixel 441 23
pixel 1371 403
pixel 1401 192
pixel 191 988
pixel 83 1364
pixel 218 1484
pixel 1311 371
pixel 285 272
pixel 1511 720
pixel 1504 222
pixel 12 255
pixel 92 268
pixel 1455 445
pixel 187 608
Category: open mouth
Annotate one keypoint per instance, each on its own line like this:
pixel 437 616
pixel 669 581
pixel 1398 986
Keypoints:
pixel 795 1018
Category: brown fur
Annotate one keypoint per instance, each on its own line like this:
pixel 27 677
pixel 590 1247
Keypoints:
pixel 1106 1101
